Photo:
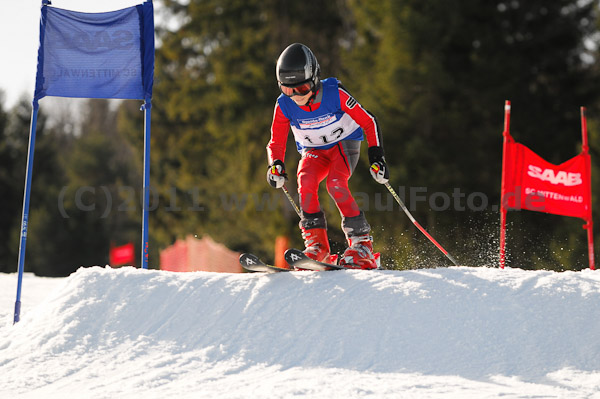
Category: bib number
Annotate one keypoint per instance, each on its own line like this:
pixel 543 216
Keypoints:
pixel 331 138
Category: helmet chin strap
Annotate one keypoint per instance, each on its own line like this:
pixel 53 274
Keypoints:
pixel 311 99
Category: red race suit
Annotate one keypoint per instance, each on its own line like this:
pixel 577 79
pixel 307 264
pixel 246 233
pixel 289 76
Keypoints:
pixel 328 132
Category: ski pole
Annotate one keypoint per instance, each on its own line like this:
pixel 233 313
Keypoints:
pixel 289 197
pixel 412 219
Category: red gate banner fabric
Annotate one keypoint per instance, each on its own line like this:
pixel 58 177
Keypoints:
pixel 122 255
pixel 530 182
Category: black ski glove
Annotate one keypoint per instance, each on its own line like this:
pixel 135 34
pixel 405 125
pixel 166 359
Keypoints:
pixel 276 175
pixel 378 168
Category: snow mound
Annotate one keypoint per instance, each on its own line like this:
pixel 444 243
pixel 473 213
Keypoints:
pixel 452 331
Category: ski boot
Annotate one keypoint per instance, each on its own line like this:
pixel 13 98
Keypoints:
pixel 317 244
pixel 359 254
pixel 314 232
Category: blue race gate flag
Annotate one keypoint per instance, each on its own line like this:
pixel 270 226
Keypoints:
pixel 93 55
pixel 96 55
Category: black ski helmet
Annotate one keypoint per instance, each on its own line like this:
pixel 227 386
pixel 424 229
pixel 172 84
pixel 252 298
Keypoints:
pixel 297 65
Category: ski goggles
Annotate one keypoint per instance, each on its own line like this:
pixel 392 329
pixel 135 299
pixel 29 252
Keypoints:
pixel 300 90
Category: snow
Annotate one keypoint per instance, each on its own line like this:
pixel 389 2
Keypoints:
pixel 457 332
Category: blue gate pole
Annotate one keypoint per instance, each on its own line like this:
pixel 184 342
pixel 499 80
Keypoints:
pixel 147 112
pixel 25 215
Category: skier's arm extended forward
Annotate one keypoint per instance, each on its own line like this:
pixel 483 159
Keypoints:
pixel 280 127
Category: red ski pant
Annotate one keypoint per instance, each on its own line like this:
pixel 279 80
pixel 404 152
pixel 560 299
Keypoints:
pixel 336 164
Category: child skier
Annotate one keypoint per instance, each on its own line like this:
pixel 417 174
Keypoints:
pixel 328 125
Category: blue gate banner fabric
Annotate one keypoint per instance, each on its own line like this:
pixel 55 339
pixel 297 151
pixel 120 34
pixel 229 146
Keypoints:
pixel 96 55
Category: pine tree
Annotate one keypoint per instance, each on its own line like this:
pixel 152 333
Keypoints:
pixel 215 94
pixel 440 74
pixel 8 201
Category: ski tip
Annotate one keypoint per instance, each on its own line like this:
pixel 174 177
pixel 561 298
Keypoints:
pixel 299 260
pixel 249 259
pixel 294 257
pixel 253 263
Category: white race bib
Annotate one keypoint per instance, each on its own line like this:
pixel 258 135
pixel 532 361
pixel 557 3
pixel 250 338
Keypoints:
pixel 323 130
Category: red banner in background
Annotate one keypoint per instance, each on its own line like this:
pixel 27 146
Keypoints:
pixel 122 255
pixel 205 254
pixel 530 182
pixel 534 184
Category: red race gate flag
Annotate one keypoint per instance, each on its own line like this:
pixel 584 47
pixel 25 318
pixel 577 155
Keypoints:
pixel 529 182
pixel 122 255
pixel 532 183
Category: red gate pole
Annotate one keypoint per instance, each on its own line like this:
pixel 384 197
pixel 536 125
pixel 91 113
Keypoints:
pixel 588 164
pixel 506 135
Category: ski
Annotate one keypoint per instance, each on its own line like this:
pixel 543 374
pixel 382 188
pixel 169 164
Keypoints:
pixel 252 263
pixel 296 260
pixel 299 260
